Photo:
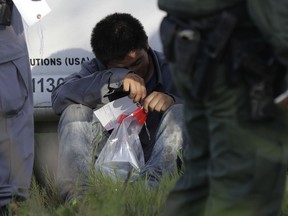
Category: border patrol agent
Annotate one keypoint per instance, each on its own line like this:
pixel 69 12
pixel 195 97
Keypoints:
pixel 16 108
pixel 229 59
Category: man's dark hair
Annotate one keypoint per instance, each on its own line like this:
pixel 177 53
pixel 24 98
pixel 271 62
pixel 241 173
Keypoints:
pixel 116 35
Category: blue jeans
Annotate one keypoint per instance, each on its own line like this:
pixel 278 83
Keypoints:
pixel 81 138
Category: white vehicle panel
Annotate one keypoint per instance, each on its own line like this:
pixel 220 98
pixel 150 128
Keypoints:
pixel 60 42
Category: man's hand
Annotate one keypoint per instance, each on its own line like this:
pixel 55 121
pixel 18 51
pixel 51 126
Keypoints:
pixel 135 85
pixel 157 101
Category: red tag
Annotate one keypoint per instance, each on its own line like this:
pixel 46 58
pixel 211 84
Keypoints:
pixel 139 114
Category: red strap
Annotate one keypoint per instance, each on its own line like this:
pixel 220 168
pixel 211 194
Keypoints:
pixel 139 114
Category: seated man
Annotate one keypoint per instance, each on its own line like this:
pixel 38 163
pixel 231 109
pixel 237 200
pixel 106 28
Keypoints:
pixel 124 65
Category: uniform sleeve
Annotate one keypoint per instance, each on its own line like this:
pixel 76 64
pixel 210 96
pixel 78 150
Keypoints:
pixel 88 87
pixel 271 18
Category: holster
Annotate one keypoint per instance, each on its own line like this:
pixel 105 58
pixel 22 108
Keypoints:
pixel 6 7
pixel 254 63
pixel 196 52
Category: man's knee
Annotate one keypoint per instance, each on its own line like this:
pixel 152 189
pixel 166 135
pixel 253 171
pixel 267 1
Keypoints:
pixel 171 125
pixel 174 114
pixel 76 112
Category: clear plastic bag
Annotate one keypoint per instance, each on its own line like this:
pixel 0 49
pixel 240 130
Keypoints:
pixel 122 156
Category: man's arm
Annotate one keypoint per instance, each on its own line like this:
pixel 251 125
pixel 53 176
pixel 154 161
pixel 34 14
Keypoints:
pixel 88 87
pixel 166 94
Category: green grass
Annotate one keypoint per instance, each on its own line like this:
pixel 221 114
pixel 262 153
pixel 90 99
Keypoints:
pixel 104 197
pixel 284 210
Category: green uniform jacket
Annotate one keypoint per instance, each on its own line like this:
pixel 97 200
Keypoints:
pixel 269 16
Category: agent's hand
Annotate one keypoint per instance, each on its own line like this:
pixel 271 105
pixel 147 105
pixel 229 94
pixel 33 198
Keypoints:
pixel 135 85
pixel 157 101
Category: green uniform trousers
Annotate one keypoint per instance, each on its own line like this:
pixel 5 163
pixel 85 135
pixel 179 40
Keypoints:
pixel 233 166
